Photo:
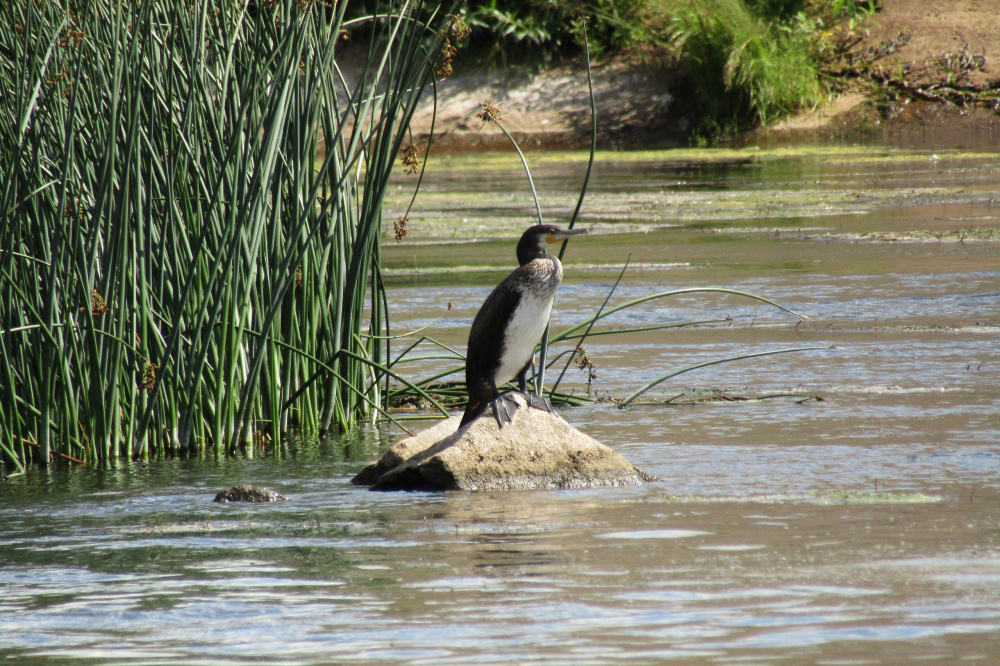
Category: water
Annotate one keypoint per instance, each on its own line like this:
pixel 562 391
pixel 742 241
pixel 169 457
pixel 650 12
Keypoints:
pixel 862 527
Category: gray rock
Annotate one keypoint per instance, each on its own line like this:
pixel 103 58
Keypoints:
pixel 537 450
pixel 246 493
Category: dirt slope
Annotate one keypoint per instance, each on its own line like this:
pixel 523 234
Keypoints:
pixel 637 107
pixel 940 28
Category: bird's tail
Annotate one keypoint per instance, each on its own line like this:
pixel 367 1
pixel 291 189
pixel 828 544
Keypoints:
pixel 473 410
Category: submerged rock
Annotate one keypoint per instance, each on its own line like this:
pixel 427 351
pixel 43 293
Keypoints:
pixel 537 449
pixel 246 493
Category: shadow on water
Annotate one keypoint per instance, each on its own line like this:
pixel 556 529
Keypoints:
pixel 839 506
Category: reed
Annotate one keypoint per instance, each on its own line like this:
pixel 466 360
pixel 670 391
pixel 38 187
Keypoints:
pixel 191 201
pixel 454 392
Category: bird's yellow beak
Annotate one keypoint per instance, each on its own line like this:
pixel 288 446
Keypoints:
pixel 562 235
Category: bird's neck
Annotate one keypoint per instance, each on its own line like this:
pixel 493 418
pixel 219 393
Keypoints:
pixel 527 256
pixel 543 272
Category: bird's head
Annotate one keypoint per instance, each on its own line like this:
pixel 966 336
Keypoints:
pixel 534 241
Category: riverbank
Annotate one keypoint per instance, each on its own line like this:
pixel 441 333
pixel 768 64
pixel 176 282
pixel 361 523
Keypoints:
pixel 832 506
pixel 911 94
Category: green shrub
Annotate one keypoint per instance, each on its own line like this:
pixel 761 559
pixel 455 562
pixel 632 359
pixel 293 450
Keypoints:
pixel 744 69
pixel 747 61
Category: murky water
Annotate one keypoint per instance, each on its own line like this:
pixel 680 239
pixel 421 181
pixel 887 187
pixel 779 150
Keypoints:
pixel 860 528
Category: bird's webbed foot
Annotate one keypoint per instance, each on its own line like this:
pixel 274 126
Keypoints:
pixel 503 409
pixel 540 402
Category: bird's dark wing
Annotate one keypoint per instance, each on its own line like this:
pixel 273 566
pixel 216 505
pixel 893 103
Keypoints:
pixel 487 333
pixel 486 343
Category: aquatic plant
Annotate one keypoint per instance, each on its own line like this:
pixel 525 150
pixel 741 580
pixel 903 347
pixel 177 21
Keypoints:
pixel 746 68
pixel 455 392
pixel 191 201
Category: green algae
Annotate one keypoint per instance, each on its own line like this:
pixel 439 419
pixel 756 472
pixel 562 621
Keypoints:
pixel 692 200
pixel 818 498
pixel 703 156
pixel 871 497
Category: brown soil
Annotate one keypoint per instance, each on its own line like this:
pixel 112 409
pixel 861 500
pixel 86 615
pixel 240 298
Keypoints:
pixel 637 108
pixel 940 29
pixel 551 108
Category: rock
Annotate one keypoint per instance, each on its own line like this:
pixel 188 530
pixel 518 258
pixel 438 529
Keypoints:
pixel 537 450
pixel 405 449
pixel 249 494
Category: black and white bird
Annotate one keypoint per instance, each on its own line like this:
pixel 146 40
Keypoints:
pixel 511 322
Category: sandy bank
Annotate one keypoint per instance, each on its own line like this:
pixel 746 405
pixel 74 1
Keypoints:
pixel 637 105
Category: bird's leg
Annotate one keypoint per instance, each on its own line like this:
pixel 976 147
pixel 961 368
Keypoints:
pixel 540 402
pixel 499 403
pixel 535 401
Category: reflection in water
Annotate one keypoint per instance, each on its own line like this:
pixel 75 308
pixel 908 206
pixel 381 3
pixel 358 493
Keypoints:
pixel 590 576
pixel 857 529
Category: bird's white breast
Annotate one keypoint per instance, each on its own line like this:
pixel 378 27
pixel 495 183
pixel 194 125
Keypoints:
pixel 523 332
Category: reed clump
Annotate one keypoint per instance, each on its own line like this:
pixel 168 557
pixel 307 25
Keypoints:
pixel 191 203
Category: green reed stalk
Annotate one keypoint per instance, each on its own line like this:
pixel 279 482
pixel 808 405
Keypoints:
pixel 586 326
pixel 191 200
pixel 638 392
pixel 593 320
pixel 568 332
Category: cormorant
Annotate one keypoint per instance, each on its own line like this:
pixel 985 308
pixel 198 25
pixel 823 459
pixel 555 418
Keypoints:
pixel 511 321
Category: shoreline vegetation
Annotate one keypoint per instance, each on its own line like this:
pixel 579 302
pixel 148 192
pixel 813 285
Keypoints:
pixel 191 230
pixel 193 191
pixel 702 72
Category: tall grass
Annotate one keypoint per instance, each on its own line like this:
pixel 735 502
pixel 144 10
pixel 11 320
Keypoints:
pixel 749 63
pixel 191 201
